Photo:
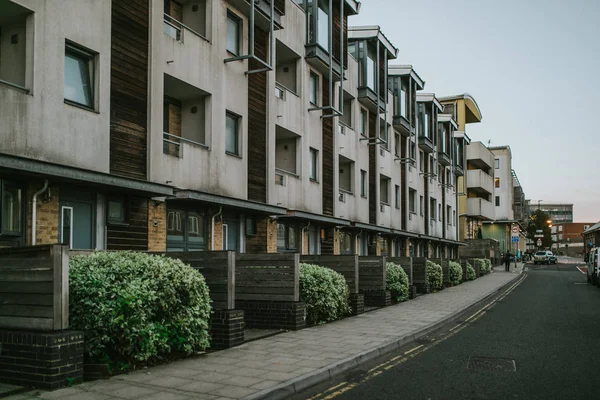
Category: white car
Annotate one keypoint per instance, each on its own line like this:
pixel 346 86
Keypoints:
pixel 592 265
pixel 544 257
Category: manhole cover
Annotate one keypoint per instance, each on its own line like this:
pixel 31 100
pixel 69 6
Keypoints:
pixel 492 364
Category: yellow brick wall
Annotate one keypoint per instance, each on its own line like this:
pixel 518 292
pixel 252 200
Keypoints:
pixel 157 226
pixel 218 233
pixel 47 214
pixel 336 242
pixel 305 242
pixel 271 235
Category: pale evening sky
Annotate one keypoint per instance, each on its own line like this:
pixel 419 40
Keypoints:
pixel 533 66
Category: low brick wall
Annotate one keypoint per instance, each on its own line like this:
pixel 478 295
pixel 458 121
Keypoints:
pixel 226 329
pixel 273 314
pixel 377 297
pixel 41 360
pixel 357 303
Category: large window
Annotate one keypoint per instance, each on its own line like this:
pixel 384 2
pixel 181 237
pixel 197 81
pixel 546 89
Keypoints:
pixel 346 245
pixel 79 76
pixel 412 200
pixel 323 25
pixel 371 68
pixel 404 101
pixel 232 135
pixel 384 189
pixel 234 24
pixel 314 164
pixel 11 208
pixel 362 124
pixel 287 237
pixel 313 90
pixel 186 230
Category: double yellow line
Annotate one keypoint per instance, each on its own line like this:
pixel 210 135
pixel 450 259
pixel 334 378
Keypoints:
pixel 344 387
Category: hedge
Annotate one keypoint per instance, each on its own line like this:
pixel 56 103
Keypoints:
pixel 456 272
pixel 471 273
pixel 485 265
pixel 325 293
pixel 434 275
pixel 396 281
pixel 137 309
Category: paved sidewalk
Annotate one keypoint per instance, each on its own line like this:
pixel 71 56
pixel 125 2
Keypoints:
pixel 289 362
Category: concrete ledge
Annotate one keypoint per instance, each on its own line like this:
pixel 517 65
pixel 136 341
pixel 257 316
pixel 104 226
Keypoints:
pixel 286 389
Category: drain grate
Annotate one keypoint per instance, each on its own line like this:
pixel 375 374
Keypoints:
pixel 492 364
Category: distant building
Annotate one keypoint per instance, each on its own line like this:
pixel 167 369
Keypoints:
pixel 591 236
pixel 568 237
pixel 559 212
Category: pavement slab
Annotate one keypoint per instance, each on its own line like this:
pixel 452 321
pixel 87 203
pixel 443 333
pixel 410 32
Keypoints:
pixel 291 361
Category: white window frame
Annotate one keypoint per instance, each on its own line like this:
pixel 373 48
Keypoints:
pixel 62 225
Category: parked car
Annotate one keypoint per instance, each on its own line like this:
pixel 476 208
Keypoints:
pixel 592 265
pixel 553 259
pixel 544 257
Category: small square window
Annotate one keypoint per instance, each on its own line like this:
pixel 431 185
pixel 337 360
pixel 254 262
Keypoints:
pixel 232 136
pixel 314 164
pixel 116 211
pixel 250 226
pixel 497 201
pixel 497 163
pixel 496 182
pixel 314 89
pixel 79 76
pixel 234 24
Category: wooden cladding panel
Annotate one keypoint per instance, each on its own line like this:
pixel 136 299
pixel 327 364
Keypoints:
pixel 34 288
pixel 419 267
pixel 328 156
pixel 280 6
pixel 257 122
pixel 267 277
pixel 406 264
pixel 345 265
pixel 373 176
pixel 372 273
pixel 129 88
pixel 133 235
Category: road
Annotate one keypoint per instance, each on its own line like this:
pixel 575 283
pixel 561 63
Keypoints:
pixel 544 328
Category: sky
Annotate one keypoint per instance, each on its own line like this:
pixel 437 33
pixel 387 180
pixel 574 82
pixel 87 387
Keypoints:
pixel 533 66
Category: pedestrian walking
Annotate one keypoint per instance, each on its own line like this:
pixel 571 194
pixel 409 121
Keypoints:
pixel 507 257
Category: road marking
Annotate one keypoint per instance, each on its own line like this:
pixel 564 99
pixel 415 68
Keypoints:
pixel 412 353
pixel 582 270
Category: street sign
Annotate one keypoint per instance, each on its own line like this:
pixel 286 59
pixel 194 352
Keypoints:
pixel 515 229
pixel 515 239
pixel 539 242
pixel 538 236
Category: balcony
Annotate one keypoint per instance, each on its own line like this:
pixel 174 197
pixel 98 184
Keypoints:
pixel 262 12
pixel 479 208
pixel 458 170
pixel 479 182
pixel 444 158
pixel 479 156
pixel 426 144
pixel 402 125
pixel 368 98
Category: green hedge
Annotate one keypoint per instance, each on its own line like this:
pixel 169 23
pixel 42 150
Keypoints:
pixel 325 293
pixel 456 272
pixel 485 265
pixel 137 309
pixel 434 275
pixel 396 281
pixel 471 273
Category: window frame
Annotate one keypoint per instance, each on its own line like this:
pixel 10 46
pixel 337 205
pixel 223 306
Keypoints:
pixel 123 202
pixel 397 196
pixel 497 201
pixel 287 226
pixel 89 57
pixel 421 205
pixel 237 119
pixel 363 122
pixel 22 209
pixel 497 182
pixel 496 163
pixel 363 183
pixel 412 199
pixel 239 24
pixel 313 80
pixel 314 164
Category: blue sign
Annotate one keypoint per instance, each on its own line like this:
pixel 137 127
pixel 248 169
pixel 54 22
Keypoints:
pixel 515 239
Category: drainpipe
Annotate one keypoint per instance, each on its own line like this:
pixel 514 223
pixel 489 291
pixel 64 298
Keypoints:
pixel 34 211
pixel 302 239
pixel 212 238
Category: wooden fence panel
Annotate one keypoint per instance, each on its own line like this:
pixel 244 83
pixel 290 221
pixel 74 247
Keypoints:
pixel 34 288
pixel 345 265
pixel 371 273
pixel 267 277
pixel 218 269
pixel 406 264
pixel 463 264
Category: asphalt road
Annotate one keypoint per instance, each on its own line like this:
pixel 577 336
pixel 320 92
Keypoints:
pixel 549 326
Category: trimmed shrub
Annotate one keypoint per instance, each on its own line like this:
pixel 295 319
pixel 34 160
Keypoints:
pixel 470 272
pixel 484 265
pixel 325 293
pixel 396 281
pixel 488 264
pixel 137 309
pixel 434 275
pixel 456 272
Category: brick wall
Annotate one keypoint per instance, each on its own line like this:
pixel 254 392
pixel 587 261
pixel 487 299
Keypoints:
pixel 41 360
pixel 226 328
pixel 305 242
pixel 218 233
pixel 336 242
pixel 47 214
pixel 157 226
pixel 271 236
pixel 273 314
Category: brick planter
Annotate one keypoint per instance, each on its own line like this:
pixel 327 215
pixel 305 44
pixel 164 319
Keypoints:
pixel 377 297
pixel 226 329
pixel 41 360
pixel 273 314
pixel 357 303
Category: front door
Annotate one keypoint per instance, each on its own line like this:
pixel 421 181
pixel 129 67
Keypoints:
pixel 230 234
pixel 76 219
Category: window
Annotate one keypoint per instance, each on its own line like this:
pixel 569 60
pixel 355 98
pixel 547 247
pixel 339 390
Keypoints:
pixel 421 161
pixel 496 182
pixel 314 164
pixel 497 201
pixel 497 163
pixel 363 183
pixel 115 211
pixel 454 217
pixel 313 89
pixel 15 68
pixel 323 25
pixel 432 208
pixel 79 76
pixel 346 174
pixel 186 230
pixel 397 144
pixel 412 201
pixel 397 196
pixel 371 68
pixel 287 237
pixel 363 122
pixel 421 205
pixel 11 209
pixel 384 196
pixel 250 226
pixel 448 214
pixel 439 212
pixel 346 246
pixel 232 145
pixel 233 33
pixel 404 101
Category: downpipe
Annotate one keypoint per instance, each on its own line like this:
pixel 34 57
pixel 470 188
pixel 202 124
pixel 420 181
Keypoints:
pixel 34 211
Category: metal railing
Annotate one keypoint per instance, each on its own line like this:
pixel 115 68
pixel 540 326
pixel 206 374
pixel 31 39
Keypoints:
pixel 175 29
pixel 172 144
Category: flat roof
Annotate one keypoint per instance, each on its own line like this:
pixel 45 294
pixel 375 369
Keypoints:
pixel 406 70
pixel 229 202
pixel 474 113
pixel 373 32
pixel 447 118
pixel 428 98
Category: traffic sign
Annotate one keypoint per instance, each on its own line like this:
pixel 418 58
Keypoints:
pixel 515 229
pixel 515 239
pixel 539 242
pixel 538 236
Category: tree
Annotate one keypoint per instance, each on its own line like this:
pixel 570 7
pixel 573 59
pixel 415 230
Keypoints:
pixel 539 220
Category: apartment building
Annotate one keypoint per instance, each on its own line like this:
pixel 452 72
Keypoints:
pixel 558 212
pixel 568 237
pixel 266 126
pixel 521 204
